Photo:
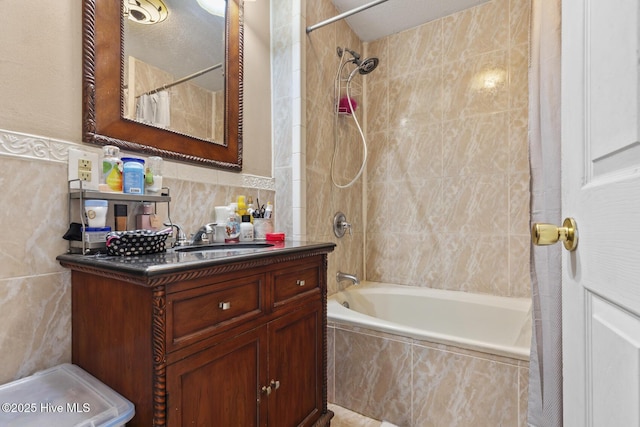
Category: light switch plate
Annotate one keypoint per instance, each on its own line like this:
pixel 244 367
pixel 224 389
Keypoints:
pixel 83 165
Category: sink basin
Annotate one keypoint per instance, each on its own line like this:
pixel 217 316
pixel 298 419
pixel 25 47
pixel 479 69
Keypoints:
pixel 223 247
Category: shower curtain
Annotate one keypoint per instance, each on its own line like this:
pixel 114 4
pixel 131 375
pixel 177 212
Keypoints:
pixel 545 366
pixel 154 109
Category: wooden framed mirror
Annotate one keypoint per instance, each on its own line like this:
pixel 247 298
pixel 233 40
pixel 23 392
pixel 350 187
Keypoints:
pixel 105 121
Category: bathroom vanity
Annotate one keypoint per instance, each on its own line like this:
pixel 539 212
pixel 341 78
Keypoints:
pixel 222 337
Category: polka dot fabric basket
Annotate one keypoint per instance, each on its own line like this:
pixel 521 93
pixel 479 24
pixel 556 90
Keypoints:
pixel 137 242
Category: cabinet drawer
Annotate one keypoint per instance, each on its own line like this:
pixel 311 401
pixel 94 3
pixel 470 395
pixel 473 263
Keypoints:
pixel 198 313
pixel 289 284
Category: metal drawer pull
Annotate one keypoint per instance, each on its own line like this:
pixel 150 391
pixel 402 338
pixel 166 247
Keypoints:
pixel 225 305
pixel 300 282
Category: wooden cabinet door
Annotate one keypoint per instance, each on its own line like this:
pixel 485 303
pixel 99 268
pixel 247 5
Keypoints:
pixel 220 385
pixel 296 367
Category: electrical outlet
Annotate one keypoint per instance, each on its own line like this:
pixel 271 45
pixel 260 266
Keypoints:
pixel 84 170
pixel 83 166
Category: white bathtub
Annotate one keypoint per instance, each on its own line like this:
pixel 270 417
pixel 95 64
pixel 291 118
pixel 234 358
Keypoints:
pixel 490 324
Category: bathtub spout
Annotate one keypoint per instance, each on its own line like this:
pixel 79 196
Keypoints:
pixel 340 276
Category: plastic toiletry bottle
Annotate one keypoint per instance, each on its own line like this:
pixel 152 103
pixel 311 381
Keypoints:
pixel 233 225
pixel 153 174
pixel 132 175
pixel 242 206
pixel 250 208
pixel 246 229
pixel 268 211
pixel 120 217
pixel 111 176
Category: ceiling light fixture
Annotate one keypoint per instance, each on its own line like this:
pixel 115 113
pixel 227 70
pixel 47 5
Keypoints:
pixel 214 7
pixel 145 11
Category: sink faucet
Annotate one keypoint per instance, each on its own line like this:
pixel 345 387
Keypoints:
pixel 181 238
pixel 203 231
pixel 340 276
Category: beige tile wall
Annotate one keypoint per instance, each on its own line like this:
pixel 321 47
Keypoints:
pixel 448 180
pixel 416 383
pixel 324 199
pixel 35 292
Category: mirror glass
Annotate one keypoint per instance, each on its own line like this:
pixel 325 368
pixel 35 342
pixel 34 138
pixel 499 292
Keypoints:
pixel 172 88
pixel 173 69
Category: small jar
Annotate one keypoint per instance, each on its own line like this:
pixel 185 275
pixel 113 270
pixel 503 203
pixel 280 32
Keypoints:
pixel 143 220
pixel 96 212
pixel 132 175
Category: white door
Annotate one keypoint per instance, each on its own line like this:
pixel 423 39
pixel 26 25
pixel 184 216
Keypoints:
pixel 601 190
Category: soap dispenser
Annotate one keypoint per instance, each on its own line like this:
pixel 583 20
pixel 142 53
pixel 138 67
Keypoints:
pixel 233 225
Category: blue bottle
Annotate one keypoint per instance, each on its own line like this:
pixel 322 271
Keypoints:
pixel 132 175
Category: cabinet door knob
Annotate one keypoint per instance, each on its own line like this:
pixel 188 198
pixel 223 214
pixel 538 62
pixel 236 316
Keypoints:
pixel 275 384
pixel 225 305
pixel 266 389
pixel 300 282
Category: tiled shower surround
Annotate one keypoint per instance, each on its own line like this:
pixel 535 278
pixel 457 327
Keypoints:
pixel 422 384
pixel 448 178
pixel 446 193
pixel 445 202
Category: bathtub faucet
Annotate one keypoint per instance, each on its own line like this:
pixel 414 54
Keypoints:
pixel 340 276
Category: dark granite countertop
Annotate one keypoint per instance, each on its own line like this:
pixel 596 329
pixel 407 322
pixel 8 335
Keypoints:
pixel 173 261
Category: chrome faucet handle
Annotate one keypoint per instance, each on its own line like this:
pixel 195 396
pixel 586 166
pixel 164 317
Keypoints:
pixel 209 226
pixel 203 231
pixel 181 238
pixel 340 225
pixel 347 226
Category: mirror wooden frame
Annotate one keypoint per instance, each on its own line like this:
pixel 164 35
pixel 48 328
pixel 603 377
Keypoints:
pixel 102 94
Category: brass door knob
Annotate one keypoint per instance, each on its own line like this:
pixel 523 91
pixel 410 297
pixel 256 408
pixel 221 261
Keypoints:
pixel 548 234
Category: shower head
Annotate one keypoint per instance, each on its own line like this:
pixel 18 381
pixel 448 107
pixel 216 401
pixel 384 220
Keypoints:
pixel 364 67
pixel 368 65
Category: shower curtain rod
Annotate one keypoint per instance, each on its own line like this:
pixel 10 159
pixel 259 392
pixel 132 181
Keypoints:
pixel 344 15
pixel 184 79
